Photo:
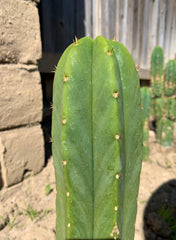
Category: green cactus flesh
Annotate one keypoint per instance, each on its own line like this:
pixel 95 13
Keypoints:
pixel 157 64
pixel 159 107
pixel 96 141
pixel 164 133
pixel 170 78
pixel 146 140
pixel 170 108
pixel 146 102
pixel 146 106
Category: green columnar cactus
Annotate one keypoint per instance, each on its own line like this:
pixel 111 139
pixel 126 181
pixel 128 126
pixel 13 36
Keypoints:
pixel 170 108
pixel 158 107
pixel 164 132
pixel 96 141
pixel 170 78
pixel 157 73
pixel 157 64
pixel 146 105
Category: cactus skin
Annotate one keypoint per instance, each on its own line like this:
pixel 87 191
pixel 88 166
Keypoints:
pixel 164 133
pixel 146 106
pixel 97 141
pixel 158 105
pixel 146 102
pixel 146 149
pixel 170 78
pixel 170 108
pixel 157 63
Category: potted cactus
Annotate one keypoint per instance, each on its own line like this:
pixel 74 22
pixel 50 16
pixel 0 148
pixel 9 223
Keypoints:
pixel 96 141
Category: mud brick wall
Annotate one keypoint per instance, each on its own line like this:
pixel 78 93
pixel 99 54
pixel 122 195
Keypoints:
pixel 21 136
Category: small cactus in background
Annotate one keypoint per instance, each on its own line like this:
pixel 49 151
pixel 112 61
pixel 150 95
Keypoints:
pixel 170 78
pixel 170 108
pixel 164 132
pixel 163 102
pixel 146 105
pixel 157 71
pixel 97 141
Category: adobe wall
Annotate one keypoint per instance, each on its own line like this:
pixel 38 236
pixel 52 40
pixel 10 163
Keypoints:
pixel 21 136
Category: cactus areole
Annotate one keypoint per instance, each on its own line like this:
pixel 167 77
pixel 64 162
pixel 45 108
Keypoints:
pixel 96 141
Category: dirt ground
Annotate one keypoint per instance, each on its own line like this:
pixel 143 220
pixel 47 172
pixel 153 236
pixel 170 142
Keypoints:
pixel 30 212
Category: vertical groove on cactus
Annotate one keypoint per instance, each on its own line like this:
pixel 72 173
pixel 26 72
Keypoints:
pixel 97 147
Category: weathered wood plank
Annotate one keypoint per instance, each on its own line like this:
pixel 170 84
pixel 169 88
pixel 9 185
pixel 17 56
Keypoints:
pixel 105 18
pixel 79 18
pixel 121 19
pixel 140 30
pixel 88 17
pixel 117 25
pixel 135 36
pixel 130 25
pixel 172 50
pixel 145 61
pixel 96 18
pixel 155 19
pixel 112 18
pixel 167 36
pixel 162 16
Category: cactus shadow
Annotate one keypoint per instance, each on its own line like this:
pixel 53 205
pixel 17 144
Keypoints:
pixel 160 213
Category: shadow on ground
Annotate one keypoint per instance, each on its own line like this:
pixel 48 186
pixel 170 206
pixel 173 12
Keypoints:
pixel 160 213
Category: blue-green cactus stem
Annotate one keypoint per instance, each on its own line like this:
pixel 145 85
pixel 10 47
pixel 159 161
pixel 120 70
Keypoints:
pixel 146 98
pixel 157 71
pixel 170 108
pixel 170 78
pixel 158 107
pixel 164 133
pixel 97 141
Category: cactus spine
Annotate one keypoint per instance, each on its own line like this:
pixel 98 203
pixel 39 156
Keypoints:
pixel 97 141
pixel 146 105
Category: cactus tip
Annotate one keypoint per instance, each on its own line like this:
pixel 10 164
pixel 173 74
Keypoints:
pixel 110 52
pixel 114 39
